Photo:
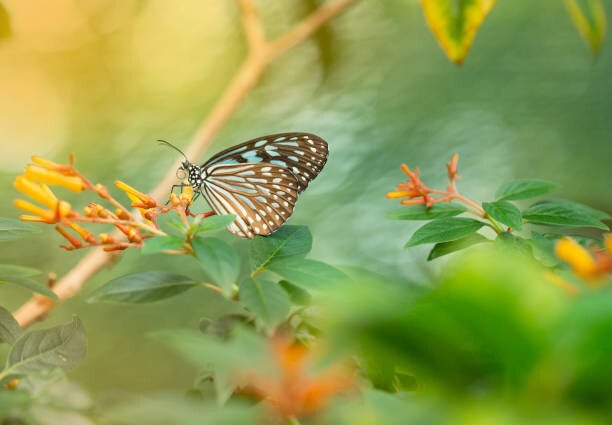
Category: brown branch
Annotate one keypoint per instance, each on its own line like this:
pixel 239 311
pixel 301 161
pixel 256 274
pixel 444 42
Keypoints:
pixel 260 54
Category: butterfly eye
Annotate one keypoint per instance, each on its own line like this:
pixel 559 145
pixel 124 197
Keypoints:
pixel 181 173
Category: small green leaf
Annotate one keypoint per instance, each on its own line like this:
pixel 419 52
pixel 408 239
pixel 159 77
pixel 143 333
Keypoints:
pixel 13 229
pixel 8 270
pixel 564 213
pixel 286 242
pixel 508 240
pixel 38 351
pixel 296 294
pixel 543 247
pixel 445 248
pixel 421 212
pixel 504 212
pixel 308 274
pixel 219 261
pixel 142 287
pixel 444 230
pixel 213 223
pixel 160 244
pixel 32 285
pixel 523 189
pixel 9 328
pixel 590 23
pixel 267 300
pixel 21 276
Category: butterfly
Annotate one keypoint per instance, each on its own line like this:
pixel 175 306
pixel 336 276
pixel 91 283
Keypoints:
pixel 258 181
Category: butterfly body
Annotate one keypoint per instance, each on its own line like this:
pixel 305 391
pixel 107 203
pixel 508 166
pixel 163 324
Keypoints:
pixel 259 180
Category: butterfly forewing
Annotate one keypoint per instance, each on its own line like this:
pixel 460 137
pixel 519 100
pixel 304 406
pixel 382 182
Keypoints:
pixel 303 154
pixel 260 195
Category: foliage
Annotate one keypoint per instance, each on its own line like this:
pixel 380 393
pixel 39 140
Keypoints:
pixel 503 219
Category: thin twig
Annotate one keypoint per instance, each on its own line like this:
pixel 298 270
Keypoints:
pixel 260 54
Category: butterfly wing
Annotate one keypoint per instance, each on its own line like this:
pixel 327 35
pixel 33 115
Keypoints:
pixel 303 154
pixel 260 195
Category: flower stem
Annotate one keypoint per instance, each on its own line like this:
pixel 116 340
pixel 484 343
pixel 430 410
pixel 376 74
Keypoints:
pixel 292 420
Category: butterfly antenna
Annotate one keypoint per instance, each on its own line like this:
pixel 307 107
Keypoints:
pixel 163 142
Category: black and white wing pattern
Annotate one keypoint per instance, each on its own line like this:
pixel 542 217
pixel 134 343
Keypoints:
pixel 303 154
pixel 260 195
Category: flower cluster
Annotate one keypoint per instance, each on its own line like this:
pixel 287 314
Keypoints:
pixel 295 391
pixel 418 193
pixel 132 227
pixel 592 265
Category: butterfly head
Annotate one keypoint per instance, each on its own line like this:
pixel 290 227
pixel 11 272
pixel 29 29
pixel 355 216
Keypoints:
pixel 192 172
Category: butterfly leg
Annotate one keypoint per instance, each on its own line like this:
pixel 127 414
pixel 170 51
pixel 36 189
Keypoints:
pixel 180 186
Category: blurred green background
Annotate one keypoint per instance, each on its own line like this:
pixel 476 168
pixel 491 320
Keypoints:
pixel 106 78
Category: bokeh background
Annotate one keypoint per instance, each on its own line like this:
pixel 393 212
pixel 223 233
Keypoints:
pixel 106 78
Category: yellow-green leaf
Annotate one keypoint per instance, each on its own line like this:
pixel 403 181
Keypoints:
pixel 454 23
pixel 591 25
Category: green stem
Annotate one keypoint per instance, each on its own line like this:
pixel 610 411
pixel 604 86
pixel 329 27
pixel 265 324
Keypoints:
pixel 494 224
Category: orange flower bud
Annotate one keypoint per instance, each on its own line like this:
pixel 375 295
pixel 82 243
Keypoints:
pixel 37 173
pixel 87 237
pixel 38 192
pixel 12 384
pixel 122 214
pixel 401 194
pixel 413 202
pixel 607 239
pixel 452 167
pixel 134 235
pixel 579 259
pixel 135 195
pixel 74 241
pixel 175 200
pixel 105 238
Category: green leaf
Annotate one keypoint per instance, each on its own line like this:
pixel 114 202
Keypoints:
pixel 287 242
pixel 213 223
pixel 455 23
pixel 590 25
pixel 159 244
pixel 223 358
pixel 8 270
pixel 21 276
pixel 219 260
pixel 9 328
pixel 296 294
pixel 267 300
pixel 421 212
pixel 444 230
pixel 564 213
pixel 508 240
pixel 504 212
pixel 13 229
pixel 523 189
pixel 145 287
pixel 308 274
pixel 39 351
pixel 164 409
pixel 445 248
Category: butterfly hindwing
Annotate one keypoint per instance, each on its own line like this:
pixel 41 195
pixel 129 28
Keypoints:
pixel 260 195
pixel 303 154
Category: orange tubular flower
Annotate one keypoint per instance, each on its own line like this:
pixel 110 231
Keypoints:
pixel 590 266
pixel 297 392
pixel 38 192
pixel 54 178
pixel 137 197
